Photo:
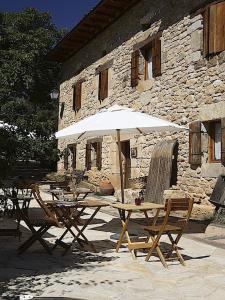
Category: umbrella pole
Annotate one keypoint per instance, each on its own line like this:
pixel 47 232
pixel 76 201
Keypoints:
pixel 120 163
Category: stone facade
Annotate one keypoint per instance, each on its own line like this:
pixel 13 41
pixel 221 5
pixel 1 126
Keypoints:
pixel 190 88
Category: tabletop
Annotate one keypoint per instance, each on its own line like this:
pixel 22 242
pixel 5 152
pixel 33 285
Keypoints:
pixel 131 207
pixel 92 203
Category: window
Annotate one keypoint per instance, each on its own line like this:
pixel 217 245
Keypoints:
pixel 94 155
pixel 146 61
pixel 199 134
pixel 73 153
pixel 148 71
pixel 215 141
pixel 214 28
pixel 103 85
pixel 66 158
pixel 77 92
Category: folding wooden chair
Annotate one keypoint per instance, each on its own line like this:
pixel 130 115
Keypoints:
pixel 156 231
pixel 43 223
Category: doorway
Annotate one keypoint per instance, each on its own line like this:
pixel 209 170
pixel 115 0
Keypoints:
pixel 126 162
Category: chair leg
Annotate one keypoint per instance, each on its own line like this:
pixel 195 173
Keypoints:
pixel 175 248
pixel 35 237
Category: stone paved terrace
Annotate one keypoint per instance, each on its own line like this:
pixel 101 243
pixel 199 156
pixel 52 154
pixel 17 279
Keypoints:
pixel 110 275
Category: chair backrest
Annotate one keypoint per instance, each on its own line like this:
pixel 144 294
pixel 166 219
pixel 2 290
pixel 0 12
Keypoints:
pixel 178 204
pixel 51 215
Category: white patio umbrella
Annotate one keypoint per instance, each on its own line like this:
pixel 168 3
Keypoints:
pixel 114 121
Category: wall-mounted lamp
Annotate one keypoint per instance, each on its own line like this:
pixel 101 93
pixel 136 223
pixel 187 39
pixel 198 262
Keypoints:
pixel 54 94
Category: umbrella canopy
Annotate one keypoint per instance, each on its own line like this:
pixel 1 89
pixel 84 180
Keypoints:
pixel 107 121
pixel 115 120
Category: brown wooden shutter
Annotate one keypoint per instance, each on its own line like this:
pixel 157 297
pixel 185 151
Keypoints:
pixel 78 95
pixel 74 97
pixel 223 141
pixel 99 155
pixel 134 68
pixel 206 32
pixel 156 57
pixel 77 90
pixel 103 84
pixel 217 28
pixel 88 157
pixel 195 153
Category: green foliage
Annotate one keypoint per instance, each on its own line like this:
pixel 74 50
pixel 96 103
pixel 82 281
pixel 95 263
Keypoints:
pixel 26 79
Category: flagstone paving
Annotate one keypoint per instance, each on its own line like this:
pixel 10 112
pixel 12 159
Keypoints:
pixel 107 274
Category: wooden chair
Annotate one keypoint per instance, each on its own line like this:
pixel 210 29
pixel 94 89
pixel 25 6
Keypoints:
pixel 44 223
pixel 156 231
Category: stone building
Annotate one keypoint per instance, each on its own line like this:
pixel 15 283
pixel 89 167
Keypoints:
pixel 165 58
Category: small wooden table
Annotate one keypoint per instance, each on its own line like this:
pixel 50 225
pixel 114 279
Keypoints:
pixel 131 208
pixel 79 191
pixel 63 211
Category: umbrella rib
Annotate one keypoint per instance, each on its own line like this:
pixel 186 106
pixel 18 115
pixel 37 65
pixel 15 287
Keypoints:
pixel 139 130
pixel 81 135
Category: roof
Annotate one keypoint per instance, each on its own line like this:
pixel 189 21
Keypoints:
pixel 100 17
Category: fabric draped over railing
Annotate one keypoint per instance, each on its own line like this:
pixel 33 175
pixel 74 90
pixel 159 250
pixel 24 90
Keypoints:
pixel 160 171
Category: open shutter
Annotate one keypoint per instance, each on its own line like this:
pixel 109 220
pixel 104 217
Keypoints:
pixel 78 95
pixel 99 156
pixel 88 157
pixel 156 57
pixel 217 28
pixel 206 32
pixel 134 68
pixel 103 84
pixel 74 97
pixel 223 141
pixel 195 152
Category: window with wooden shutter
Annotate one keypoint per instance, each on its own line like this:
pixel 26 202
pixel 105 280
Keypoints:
pixel 134 68
pixel 214 28
pixel 195 153
pixel 77 92
pixel 156 57
pixel 88 157
pixel 223 141
pixel 99 155
pixel 103 85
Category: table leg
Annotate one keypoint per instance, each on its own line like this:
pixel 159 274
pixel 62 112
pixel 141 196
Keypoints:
pixel 124 230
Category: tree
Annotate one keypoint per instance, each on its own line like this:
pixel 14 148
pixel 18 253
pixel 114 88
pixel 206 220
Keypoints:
pixel 26 79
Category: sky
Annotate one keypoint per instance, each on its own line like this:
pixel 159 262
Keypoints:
pixel 65 13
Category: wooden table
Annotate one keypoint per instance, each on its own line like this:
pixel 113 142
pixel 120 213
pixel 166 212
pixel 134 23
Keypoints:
pixel 131 208
pixel 79 191
pixel 69 214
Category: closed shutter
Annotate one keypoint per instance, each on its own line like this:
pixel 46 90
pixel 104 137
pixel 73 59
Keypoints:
pixel 99 156
pixel 88 157
pixel 223 141
pixel 156 57
pixel 134 68
pixel 216 28
pixel 206 32
pixel 195 144
pixel 103 84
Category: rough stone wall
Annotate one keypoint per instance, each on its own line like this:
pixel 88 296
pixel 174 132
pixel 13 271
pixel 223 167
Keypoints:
pixel 188 83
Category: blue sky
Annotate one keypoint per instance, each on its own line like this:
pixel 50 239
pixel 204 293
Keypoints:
pixel 65 13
